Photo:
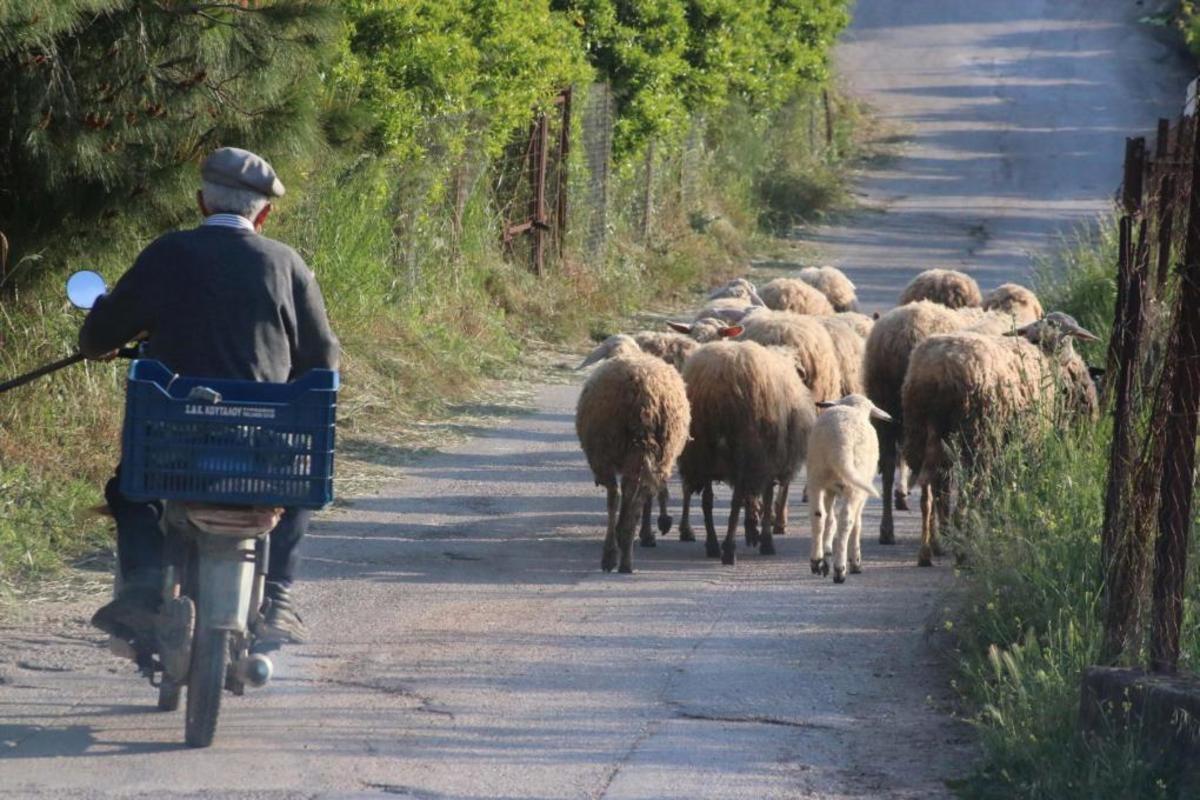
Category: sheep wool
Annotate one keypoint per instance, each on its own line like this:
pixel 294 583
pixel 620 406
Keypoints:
pixel 673 348
pixel 843 451
pixel 1016 300
pixel 861 323
pixel 833 283
pixel 949 287
pixel 849 347
pixel 751 416
pixel 792 294
pixel 810 341
pixel 632 420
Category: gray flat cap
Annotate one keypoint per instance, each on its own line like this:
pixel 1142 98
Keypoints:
pixel 241 169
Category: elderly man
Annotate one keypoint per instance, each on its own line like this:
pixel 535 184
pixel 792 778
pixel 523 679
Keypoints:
pixel 218 301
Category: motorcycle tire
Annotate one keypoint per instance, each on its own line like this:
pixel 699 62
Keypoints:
pixel 206 682
pixel 168 694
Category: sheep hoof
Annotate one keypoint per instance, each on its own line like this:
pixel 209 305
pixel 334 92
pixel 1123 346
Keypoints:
pixel 855 569
pixel 648 541
pixel 664 523
pixel 766 548
pixel 839 575
pixel 820 567
pixel 751 540
pixel 712 548
pixel 626 569
pixel 608 562
pixel 815 564
pixel 925 559
pixel 778 530
pixel 937 549
pixel 901 502
pixel 887 536
pixel 728 556
pixel 686 534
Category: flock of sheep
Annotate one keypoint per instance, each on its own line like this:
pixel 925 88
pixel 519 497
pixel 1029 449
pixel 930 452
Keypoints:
pixel 762 381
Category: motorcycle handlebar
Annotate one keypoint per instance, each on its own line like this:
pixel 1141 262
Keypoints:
pixel 29 377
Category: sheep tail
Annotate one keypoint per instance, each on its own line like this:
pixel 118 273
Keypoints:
pixel 865 486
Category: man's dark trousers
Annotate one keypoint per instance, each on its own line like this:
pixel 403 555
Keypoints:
pixel 140 539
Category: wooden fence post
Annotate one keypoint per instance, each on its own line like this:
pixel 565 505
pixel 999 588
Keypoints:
pixel 1165 211
pixel 564 174
pixel 1182 382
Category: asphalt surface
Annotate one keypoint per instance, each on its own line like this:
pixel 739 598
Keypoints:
pixel 465 642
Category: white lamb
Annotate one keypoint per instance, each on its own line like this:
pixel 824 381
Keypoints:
pixel 843 453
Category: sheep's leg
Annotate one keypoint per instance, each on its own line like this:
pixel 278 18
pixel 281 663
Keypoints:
pixel 712 546
pixel 902 484
pixel 779 525
pixel 632 497
pixel 646 534
pixel 752 514
pixel 729 546
pixel 766 543
pixel 817 512
pixel 941 502
pixel 686 534
pixel 842 539
pixel 925 558
pixel 856 537
pixel 609 560
pixel 831 524
pixel 664 519
pixel 888 441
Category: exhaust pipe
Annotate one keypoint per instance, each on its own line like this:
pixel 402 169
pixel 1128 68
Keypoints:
pixel 254 670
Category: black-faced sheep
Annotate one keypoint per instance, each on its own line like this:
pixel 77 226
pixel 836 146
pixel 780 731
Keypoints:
pixel 960 386
pixel 793 294
pixel 843 452
pixel 751 415
pixel 833 283
pixel 949 287
pixel 632 420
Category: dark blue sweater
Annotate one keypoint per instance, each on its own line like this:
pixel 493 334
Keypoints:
pixel 218 303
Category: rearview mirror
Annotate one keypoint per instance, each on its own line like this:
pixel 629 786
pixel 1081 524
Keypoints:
pixel 84 288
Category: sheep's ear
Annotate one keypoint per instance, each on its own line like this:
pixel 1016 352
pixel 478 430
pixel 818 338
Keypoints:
pixel 755 300
pixel 1080 332
pixel 825 404
pixel 730 331
pixel 880 414
pixel 875 315
pixel 599 354
pixel 679 327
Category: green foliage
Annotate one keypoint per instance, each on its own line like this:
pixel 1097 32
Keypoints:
pixel 104 101
pixel 1081 280
pixel 1188 21
pixel 1028 616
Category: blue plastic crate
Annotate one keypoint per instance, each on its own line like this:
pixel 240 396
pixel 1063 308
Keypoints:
pixel 261 444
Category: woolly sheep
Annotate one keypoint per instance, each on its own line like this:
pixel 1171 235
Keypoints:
pixel 885 362
pixel 949 287
pixel 861 323
pixel 805 336
pixel 1016 300
pixel 738 289
pixel 843 452
pixel 792 294
pixel 751 415
pixel 632 420
pixel 959 384
pixel 833 283
pixel 722 306
pixel 848 346
pixel 707 329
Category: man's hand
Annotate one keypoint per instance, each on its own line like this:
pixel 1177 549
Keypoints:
pixel 112 354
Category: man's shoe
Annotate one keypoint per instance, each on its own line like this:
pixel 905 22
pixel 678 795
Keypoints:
pixel 281 623
pixel 132 615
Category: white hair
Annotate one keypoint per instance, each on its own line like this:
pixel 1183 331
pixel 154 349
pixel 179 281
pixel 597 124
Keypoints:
pixel 227 200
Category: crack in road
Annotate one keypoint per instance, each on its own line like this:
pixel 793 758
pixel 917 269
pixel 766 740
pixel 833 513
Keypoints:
pixel 754 719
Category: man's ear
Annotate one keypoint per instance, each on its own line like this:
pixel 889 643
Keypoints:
pixel 200 203
pixel 261 219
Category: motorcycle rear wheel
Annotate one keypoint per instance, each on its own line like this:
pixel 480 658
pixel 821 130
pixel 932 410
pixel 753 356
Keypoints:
pixel 206 682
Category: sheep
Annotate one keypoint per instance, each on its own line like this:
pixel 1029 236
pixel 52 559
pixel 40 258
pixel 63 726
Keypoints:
pixel 707 329
pixel 1016 300
pixel 791 294
pixel 885 362
pixel 738 289
pixel 751 415
pixel 632 421
pixel 832 283
pixel 861 323
pixel 723 306
pixel 843 451
pixel 949 287
pixel 848 346
pixel 959 384
pixel 809 339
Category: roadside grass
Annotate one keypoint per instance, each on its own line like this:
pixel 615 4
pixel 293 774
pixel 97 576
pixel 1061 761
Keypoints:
pixel 1028 601
pixel 429 317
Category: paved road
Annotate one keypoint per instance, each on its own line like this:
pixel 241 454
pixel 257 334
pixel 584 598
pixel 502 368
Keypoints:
pixel 466 644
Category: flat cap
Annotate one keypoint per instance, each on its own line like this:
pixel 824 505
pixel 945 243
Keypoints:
pixel 241 169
